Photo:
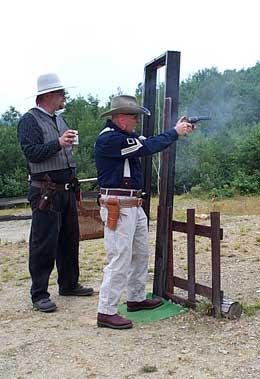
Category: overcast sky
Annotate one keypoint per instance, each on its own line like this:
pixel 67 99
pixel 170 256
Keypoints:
pixel 101 45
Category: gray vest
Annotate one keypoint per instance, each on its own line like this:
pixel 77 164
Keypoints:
pixel 63 158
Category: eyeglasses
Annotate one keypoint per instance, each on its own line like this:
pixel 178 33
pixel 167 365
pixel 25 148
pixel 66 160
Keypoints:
pixel 60 92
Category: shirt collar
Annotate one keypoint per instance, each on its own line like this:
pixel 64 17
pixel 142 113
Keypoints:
pixel 110 124
pixel 44 111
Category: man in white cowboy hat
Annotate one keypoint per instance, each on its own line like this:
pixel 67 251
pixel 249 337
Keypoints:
pixel 46 142
pixel 117 153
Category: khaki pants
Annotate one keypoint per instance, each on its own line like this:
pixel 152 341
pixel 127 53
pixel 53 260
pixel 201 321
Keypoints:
pixel 127 252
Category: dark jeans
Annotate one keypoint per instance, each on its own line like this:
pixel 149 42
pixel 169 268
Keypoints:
pixel 54 237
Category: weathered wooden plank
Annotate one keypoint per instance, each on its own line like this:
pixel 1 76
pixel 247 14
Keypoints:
pixel 12 201
pixel 15 217
pixel 191 253
pixel 148 130
pixel 215 263
pixel 200 289
pixel 179 300
pixel 164 214
pixel 200 230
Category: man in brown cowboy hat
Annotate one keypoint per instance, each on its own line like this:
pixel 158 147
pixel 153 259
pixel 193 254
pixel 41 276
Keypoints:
pixel 46 142
pixel 117 152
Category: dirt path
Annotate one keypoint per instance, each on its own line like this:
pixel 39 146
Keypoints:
pixel 67 344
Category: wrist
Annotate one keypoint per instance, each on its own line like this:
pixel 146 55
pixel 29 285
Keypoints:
pixel 59 142
pixel 176 129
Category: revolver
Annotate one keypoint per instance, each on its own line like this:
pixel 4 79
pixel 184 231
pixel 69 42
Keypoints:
pixel 192 120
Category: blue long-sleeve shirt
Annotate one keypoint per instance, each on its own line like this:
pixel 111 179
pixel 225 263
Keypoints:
pixel 113 146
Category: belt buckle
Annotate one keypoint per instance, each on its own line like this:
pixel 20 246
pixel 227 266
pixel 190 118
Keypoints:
pixel 67 186
pixel 139 193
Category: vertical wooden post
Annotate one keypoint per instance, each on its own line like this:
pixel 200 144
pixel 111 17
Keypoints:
pixel 164 216
pixel 191 254
pixel 169 268
pixel 163 256
pixel 162 250
pixel 148 130
pixel 215 263
pixel 172 75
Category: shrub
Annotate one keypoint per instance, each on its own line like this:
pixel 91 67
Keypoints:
pixel 246 184
pixel 223 192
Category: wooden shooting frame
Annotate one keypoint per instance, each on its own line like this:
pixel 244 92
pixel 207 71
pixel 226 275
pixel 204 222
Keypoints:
pixel 164 279
pixel 171 61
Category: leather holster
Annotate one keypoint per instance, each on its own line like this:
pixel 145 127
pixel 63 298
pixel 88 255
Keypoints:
pixel 113 210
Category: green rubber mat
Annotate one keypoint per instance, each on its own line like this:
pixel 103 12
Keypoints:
pixel 168 309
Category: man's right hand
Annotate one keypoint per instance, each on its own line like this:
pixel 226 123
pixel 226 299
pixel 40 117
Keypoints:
pixel 183 127
pixel 67 138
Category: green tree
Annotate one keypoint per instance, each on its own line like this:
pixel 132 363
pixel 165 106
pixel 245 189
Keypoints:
pixel 13 172
pixel 11 116
pixel 84 115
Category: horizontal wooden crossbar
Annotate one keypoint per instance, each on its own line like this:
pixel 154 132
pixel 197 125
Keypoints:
pixel 179 300
pixel 156 63
pixel 200 289
pixel 200 230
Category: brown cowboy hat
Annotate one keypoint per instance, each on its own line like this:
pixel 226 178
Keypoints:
pixel 125 104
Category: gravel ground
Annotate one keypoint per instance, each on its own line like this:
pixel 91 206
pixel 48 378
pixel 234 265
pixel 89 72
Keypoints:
pixel 14 231
pixel 67 343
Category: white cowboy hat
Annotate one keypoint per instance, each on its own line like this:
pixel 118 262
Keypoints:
pixel 48 83
pixel 125 104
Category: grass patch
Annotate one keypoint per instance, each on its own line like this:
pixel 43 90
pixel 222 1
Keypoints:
pixel 24 276
pixel 239 205
pixel 6 259
pixel 204 309
pixel 251 309
pixel 7 275
pixel 153 208
pixel 244 230
pixel 5 243
pixel 22 209
pixel 148 369
pixel 54 274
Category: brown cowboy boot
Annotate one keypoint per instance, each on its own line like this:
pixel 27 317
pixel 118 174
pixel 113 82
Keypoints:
pixel 113 321
pixel 133 306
